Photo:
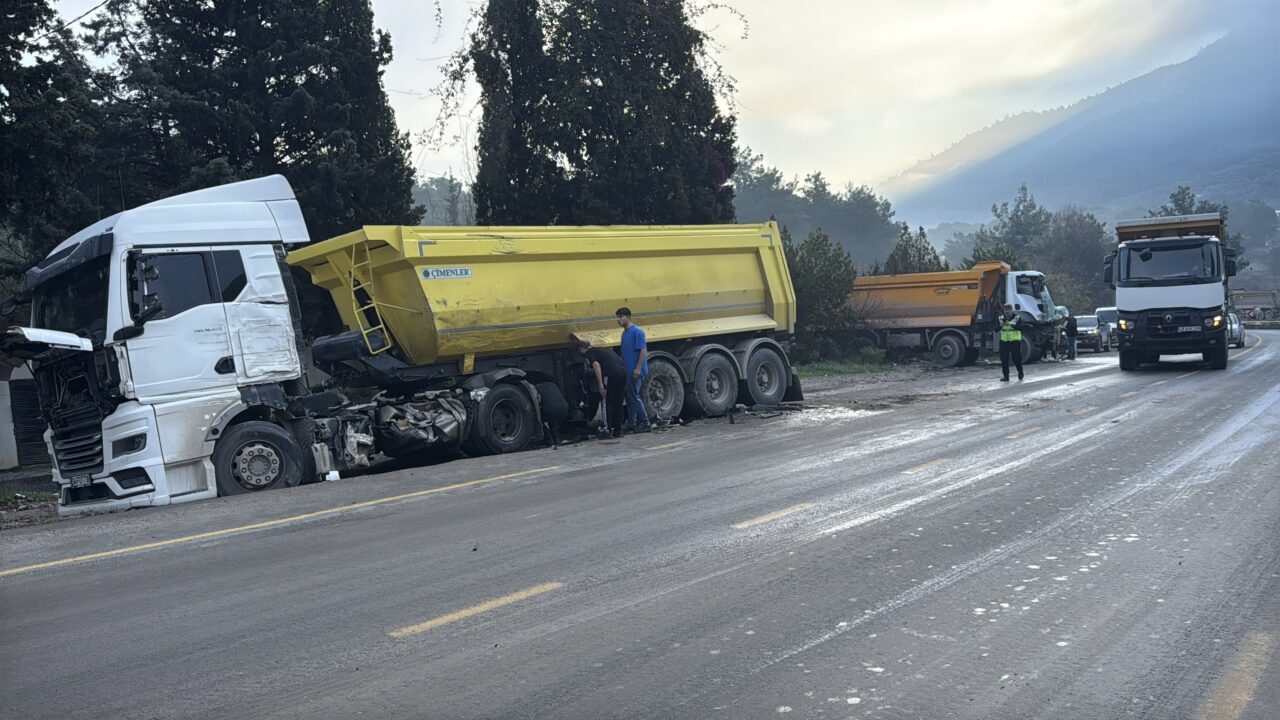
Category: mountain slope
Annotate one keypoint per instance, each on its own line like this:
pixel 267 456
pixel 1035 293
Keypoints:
pixel 1211 122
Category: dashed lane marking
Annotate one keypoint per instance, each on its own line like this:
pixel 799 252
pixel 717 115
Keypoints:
pixel 926 466
pixel 1236 689
pixel 1023 433
pixel 1131 393
pixel 771 516
pixel 669 445
pixel 483 607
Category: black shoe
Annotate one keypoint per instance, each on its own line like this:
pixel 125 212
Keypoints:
pixel 644 429
pixel 617 433
pixel 1019 376
pixel 1004 379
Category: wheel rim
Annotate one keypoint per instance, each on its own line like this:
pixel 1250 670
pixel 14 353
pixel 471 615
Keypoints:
pixel 660 393
pixel 716 385
pixel 256 465
pixel 946 350
pixel 766 379
pixel 506 420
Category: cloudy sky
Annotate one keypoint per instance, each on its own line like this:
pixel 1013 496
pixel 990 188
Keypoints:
pixel 859 89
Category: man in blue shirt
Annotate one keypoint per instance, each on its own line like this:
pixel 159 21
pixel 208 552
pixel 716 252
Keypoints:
pixel 635 358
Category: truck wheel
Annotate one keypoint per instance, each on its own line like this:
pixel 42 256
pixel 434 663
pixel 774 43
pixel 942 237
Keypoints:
pixel 663 391
pixel 766 377
pixel 715 386
pixel 948 351
pixel 1128 360
pixel 254 456
pixel 504 422
pixel 1030 353
pixel 1217 358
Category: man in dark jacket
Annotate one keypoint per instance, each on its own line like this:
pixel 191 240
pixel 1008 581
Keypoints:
pixel 1073 330
pixel 609 379
pixel 554 410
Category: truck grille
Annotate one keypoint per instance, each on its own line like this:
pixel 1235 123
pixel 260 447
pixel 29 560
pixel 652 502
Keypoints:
pixel 77 442
pixel 1167 323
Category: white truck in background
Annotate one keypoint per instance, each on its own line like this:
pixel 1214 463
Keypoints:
pixel 1170 275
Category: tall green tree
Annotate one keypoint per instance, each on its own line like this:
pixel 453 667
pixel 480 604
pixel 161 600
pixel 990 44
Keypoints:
pixel 51 180
pixel 233 89
pixel 1071 255
pixel 598 113
pixel 823 274
pixel 1013 231
pixel 912 254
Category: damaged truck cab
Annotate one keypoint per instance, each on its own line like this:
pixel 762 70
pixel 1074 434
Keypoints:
pixel 153 331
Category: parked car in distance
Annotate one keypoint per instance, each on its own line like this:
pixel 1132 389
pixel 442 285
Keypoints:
pixel 1110 316
pixel 1093 333
pixel 1235 331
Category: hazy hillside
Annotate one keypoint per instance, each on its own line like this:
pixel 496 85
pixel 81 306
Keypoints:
pixel 1212 122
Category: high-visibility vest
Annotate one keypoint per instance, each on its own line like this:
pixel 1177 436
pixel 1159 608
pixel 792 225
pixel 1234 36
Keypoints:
pixel 1009 331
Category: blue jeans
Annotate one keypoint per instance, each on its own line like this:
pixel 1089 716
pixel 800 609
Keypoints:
pixel 636 416
pixel 1071 348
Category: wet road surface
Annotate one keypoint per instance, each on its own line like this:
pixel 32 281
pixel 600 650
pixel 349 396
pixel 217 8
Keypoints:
pixel 1085 544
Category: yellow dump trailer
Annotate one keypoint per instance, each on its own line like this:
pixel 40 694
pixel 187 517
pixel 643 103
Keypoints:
pixel 448 293
pixel 923 300
pixel 441 304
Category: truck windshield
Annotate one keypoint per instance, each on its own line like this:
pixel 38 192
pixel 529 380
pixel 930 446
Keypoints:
pixel 1170 264
pixel 75 301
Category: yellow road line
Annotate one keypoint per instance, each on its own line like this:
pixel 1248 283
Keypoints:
pixel 213 534
pixel 677 443
pixel 1249 349
pixel 485 606
pixel 926 466
pixel 1187 375
pixel 1086 410
pixel 1023 433
pixel 771 516
pixel 1158 382
pixel 1131 393
pixel 1236 689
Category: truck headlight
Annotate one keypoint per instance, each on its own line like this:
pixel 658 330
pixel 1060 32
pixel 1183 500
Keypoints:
pixel 1213 322
pixel 1126 324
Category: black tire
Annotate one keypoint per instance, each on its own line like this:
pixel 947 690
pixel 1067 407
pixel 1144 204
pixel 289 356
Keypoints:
pixel 254 456
pixel 505 422
pixel 1217 358
pixel 714 389
pixel 766 379
pixel 304 431
pixel 1030 353
pixel 1128 360
pixel 663 391
pixel 948 351
pixel 971 355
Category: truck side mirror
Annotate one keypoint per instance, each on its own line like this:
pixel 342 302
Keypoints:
pixel 1108 272
pixel 1233 266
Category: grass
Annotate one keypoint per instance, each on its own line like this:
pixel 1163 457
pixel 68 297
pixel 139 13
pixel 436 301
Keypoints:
pixel 840 367
pixel 8 497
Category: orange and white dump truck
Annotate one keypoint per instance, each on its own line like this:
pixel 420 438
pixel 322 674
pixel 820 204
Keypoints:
pixel 166 346
pixel 952 314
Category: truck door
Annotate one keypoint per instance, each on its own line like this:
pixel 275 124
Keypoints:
pixel 185 345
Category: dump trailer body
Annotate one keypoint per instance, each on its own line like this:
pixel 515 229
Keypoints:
pixel 457 294
pixel 1256 304
pixel 927 300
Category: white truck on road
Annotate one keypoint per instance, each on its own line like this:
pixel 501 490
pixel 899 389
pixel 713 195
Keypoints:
pixel 1170 276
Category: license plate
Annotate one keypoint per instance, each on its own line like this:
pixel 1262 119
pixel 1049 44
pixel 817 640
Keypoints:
pixel 1189 328
pixel 82 481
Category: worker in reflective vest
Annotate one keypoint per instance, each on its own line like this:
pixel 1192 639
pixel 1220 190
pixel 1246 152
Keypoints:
pixel 1010 342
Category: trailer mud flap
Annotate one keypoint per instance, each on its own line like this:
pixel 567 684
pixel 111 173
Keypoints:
pixel 794 392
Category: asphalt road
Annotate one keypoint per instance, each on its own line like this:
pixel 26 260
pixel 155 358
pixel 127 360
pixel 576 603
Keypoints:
pixel 1085 544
